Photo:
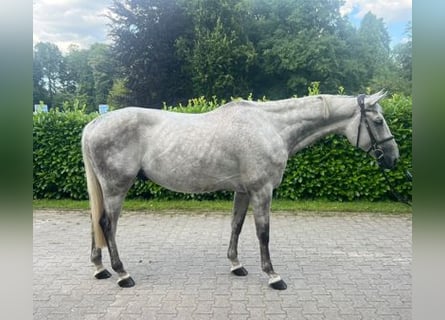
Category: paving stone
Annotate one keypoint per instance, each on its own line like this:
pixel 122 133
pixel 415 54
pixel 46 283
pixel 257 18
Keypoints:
pixel 337 266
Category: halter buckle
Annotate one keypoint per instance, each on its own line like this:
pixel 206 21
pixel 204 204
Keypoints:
pixel 378 153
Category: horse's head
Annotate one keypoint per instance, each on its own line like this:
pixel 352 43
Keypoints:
pixel 369 131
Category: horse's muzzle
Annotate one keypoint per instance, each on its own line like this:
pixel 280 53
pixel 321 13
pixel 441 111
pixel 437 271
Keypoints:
pixel 387 162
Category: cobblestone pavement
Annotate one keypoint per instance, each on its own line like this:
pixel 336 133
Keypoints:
pixel 337 266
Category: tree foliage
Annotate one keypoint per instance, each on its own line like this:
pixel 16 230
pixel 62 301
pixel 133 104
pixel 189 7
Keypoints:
pixel 47 71
pixel 300 42
pixel 402 55
pixel 86 75
pixel 173 50
pixel 144 35
pixel 217 54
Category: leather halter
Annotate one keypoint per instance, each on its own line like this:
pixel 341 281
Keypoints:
pixel 378 152
pixel 375 144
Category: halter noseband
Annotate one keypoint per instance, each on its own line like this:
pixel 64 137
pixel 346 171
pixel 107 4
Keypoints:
pixel 378 152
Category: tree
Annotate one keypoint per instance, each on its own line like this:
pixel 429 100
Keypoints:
pixel 218 54
pixel 88 75
pixel 144 34
pixel 85 76
pixel 47 66
pixel 118 96
pixel 40 93
pixel 403 61
pixel 78 78
pixel 374 51
pixel 173 50
pixel 104 71
pixel 299 42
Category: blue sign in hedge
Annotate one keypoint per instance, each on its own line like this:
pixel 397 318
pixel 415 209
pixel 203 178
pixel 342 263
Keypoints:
pixel 40 108
pixel 103 108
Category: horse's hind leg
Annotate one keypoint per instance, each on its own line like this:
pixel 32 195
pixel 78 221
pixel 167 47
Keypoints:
pixel 108 222
pixel 261 201
pixel 240 205
pixel 96 258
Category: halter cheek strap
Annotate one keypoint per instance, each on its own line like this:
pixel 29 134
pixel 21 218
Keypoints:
pixel 361 103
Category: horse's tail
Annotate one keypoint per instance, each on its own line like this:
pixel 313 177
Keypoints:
pixel 96 197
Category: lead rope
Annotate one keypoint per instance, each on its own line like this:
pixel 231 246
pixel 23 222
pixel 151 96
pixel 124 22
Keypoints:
pixel 397 195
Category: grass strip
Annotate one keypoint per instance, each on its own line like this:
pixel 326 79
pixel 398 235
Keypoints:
pixel 226 206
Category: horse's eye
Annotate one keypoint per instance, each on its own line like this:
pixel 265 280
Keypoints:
pixel 378 121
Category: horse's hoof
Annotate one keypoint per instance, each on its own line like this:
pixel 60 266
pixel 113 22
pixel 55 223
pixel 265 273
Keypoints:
pixel 126 282
pixel 240 272
pixel 279 285
pixel 104 274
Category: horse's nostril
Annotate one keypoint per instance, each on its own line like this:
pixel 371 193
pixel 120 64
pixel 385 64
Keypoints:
pixel 392 163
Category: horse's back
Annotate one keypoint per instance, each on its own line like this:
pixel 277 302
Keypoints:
pixel 229 148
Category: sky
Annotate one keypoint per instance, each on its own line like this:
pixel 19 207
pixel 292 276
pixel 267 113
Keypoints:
pixel 83 22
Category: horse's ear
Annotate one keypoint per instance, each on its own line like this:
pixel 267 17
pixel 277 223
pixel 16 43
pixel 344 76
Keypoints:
pixel 376 97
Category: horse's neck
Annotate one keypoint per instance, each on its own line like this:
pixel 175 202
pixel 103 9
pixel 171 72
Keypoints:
pixel 303 121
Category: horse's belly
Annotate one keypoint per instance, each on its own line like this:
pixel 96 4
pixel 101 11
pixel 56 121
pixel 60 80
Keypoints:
pixel 197 180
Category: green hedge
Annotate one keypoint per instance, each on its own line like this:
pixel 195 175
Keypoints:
pixel 57 158
pixel 331 169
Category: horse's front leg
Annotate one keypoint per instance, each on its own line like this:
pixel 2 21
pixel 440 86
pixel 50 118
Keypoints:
pixel 261 201
pixel 240 205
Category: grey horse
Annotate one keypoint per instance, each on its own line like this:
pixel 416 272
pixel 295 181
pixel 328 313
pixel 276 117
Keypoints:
pixel 242 146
